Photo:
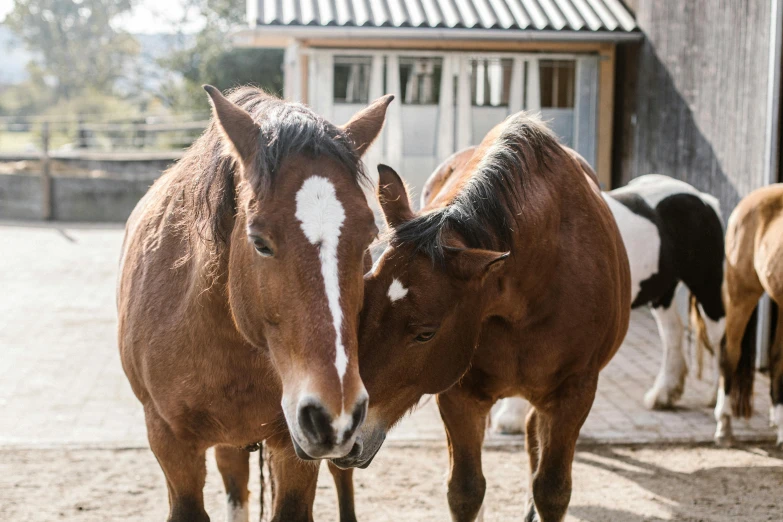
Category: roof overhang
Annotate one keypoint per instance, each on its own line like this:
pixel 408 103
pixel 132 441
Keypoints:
pixel 276 36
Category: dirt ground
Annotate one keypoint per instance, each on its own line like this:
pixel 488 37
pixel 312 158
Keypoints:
pixel 611 483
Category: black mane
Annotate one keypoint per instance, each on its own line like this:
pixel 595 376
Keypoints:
pixel 286 129
pixel 486 210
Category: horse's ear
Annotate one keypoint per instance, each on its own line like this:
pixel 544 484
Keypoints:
pixel 471 263
pixel 393 197
pixel 236 124
pixel 366 124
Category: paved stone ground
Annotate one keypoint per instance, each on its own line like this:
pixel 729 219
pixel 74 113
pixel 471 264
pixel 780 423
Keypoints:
pixel 61 382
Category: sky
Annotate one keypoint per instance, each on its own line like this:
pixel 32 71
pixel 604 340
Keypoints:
pixel 149 16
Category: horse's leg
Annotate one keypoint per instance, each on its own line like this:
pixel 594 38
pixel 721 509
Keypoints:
pixel 739 308
pixel 294 481
pixel 533 454
pixel 776 375
pixel 670 382
pixel 234 466
pixel 558 423
pixel 465 419
pixel 343 482
pixel 184 464
pixel 712 397
pixel 510 418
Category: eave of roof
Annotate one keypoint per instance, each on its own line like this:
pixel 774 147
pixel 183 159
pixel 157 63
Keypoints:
pixel 248 36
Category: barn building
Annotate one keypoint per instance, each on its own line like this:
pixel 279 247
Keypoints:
pixel 456 67
pixel 690 89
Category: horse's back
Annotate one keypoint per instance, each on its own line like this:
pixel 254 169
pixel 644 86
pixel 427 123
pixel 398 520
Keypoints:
pixel 656 188
pixel 754 238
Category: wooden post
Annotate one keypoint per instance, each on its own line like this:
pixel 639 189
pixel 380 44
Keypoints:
pixel 46 175
pixel 81 134
pixel 605 115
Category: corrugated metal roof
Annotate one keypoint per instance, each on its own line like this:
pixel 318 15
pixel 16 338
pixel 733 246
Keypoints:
pixel 528 15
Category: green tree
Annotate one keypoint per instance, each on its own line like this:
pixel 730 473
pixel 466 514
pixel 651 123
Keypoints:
pixel 211 58
pixel 76 45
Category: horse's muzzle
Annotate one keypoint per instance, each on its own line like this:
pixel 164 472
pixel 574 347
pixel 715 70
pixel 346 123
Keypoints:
pixel 318 435
pixel 358 458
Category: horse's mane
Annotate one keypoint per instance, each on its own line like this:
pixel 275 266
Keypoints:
pixel 205 174
pixel 486 209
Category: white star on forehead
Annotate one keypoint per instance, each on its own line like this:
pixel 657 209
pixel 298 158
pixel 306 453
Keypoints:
pixel 396 290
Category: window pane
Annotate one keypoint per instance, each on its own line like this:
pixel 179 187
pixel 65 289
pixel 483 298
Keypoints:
pixel 352 79
pixel 490 82
pixel 420 80
pixel 558 79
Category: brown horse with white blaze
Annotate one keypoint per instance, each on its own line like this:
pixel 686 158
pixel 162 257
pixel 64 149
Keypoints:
pixel 513 281
pixel 754 265
pixel 239 295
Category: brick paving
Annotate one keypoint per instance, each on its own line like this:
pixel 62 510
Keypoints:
pixel 61 382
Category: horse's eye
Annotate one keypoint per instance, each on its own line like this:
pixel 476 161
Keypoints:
pixel 424 337
pixel 262 248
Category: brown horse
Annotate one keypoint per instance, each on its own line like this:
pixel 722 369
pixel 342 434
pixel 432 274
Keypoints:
pixel 240 292
pixel 754 265
pixel 513 281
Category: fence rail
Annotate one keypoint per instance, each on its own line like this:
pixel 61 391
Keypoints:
pixel 139 133
pixel 42 146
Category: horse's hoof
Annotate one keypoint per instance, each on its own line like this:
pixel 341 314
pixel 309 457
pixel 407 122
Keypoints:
pixel 656 399
pixel 724 441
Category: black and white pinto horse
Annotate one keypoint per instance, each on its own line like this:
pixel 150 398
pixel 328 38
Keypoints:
pixel 674 236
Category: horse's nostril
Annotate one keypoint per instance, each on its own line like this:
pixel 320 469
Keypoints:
pixel 357 418
pixel 315 423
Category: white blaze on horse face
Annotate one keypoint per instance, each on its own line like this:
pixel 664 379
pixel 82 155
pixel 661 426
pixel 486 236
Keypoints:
pixel 642 243
pixel 396 290
pixel 321 216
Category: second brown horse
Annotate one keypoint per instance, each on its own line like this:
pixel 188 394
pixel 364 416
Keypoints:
pixel 513 281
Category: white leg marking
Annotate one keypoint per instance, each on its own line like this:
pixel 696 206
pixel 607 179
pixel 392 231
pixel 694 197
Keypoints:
pixel 321 216
pixel 510 417
pixel 721 404
pixel 671 377
pixel 236 512
pixel 723 435
pixel 778 418
pixel 396 290
pixel 642 243
pixel 715 331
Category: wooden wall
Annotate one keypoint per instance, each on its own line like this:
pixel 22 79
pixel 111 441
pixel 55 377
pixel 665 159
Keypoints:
pixel 692 99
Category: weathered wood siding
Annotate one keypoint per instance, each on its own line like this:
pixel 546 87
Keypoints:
pixel 692 99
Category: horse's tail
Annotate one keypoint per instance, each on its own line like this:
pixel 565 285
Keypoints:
pixel 702 339
pixel 742 378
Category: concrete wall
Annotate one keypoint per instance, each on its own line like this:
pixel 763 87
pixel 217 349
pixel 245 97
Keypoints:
pixel 21 197
pixel 73 199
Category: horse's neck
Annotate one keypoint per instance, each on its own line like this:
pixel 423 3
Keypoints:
pixel 527 275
